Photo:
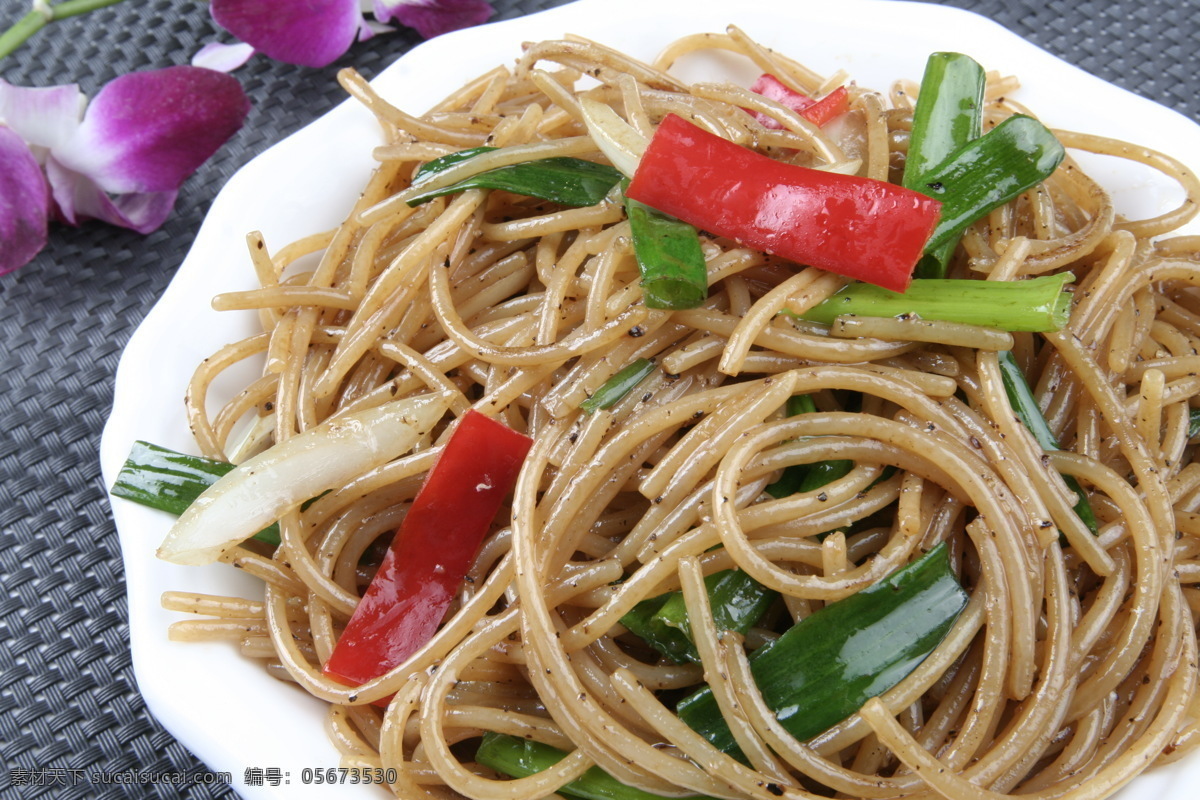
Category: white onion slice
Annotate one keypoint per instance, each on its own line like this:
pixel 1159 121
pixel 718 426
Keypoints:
pixel 259 491
pixel 615 137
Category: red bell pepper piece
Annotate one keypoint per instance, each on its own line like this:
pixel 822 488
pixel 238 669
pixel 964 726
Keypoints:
pixel 856 227
pixel 437 541
pixel 828 107
pixel 817 112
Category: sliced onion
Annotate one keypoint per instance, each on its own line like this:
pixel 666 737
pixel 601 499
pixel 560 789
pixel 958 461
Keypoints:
pixel 615 137
pixel 261 490
pixel 258 436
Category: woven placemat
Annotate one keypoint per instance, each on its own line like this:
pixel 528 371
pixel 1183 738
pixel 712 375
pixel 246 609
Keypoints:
pixel 68 702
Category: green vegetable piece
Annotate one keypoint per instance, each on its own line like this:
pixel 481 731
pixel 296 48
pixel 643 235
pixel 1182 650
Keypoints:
pixel 1021 398
pixel 793 476
pixel 1034 304
pixel 619 385
pixel 162 478
pixel 948 115
pixel 806 477
pixel 443 163
pixel 519 758
pixel 1193 423
pixel 674 273
pixel 738 601
pixel 568 181
pixel 988 172
pixel 825 472
pixel 824 668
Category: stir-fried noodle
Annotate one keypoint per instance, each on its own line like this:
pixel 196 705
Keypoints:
pixel 1072 667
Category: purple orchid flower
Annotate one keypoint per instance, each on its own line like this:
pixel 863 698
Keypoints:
pixel 120 159
pixel 311 33
pixel 315 33
pixel 24 202
pixel 432 18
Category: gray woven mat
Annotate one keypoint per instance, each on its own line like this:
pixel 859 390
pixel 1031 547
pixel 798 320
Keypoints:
pixel 68 702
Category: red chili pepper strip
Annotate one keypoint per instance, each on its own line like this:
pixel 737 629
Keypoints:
pixel 437 541
pixel 856 227
pixel 817 112
pixel 828 107
pixel 772 88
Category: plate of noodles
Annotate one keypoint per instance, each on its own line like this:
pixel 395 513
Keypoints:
pixel 1069 665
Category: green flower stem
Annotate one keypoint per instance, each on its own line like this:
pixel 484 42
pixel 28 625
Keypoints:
pixel 43 13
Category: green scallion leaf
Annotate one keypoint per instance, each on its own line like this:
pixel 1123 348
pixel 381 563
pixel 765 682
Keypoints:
pixel 737 600
pixel 520 758
pixel 170 481
pixel 824 668
pixel 1033 304
pixel 987 172
pixel 619 385
pixel 674 273
pixel 793 476
pixel 567 181
pixel 1021 398
pixel 948 115
pixel 443 163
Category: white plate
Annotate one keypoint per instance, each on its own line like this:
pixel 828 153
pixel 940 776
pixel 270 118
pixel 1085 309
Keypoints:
pixel 307 183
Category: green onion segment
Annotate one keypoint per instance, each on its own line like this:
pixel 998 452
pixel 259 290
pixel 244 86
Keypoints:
pixel 822 669
pixel 948 115
pixel 1033 304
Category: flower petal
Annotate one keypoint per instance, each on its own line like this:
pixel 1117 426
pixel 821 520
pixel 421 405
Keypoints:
pixel 78 198
pixel 311 33
pixel 147 131
pixel 24 203
pixel 222 57
pixel 372 28
pixel 434 17
pixel 44 117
